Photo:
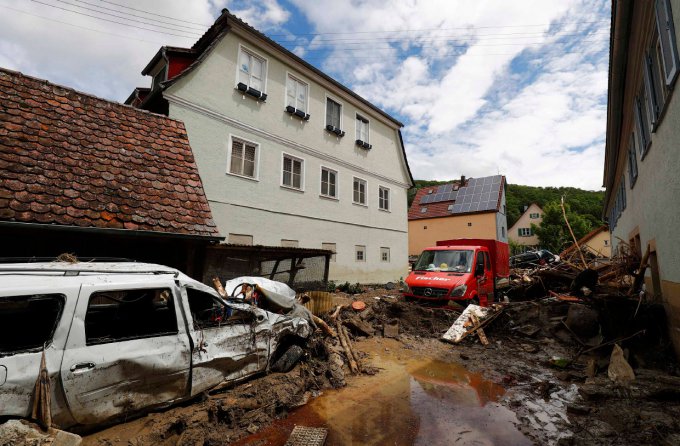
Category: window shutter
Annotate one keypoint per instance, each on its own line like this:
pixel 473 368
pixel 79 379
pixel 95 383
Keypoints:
pixel 329 112
pixel 249 160
pixel 236 157
pixel 669 50
pixel 650 93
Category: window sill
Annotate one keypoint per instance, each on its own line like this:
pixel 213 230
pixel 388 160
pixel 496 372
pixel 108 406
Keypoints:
pixel 643 155
pixel 335 130
pixel 385 210
pixel 245 177
pixel 329 197
pixel 292 111
pixel 291 188
pixel 253 93
pixel 363 144
pixel 360 204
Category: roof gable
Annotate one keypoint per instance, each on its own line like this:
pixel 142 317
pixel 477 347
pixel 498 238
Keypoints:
pixel 69 158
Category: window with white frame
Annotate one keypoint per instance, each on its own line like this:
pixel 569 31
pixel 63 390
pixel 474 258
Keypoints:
pixel 362 129
pixel 333 113
pixel 252 70
pixel 423 210
pixel 330 247
pixel 669 49
pixel 383 198
pixel 385 254
pixel 359 191
pixel 243 158
pixel 292 174
pixel 360 253
pixel 524 232
pixel 534 215
pixel 296 93
pixel 329 183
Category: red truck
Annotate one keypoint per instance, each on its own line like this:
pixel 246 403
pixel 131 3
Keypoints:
pixel 461 270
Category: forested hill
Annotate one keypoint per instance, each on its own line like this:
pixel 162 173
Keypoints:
pixel 582 202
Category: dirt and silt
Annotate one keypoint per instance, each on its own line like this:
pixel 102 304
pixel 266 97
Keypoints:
pixel 523 388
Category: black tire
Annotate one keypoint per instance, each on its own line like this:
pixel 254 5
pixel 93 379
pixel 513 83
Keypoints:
pixel 474 301
pixel 288 359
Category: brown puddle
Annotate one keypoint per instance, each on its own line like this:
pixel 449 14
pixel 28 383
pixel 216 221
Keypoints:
pixel 410 402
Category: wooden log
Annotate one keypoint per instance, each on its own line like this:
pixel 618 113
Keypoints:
pixel 351 349
pixel 337 311
pixel 324 326
pixel 480 332
pixel 219 287
pixel 353 367
pixel 640 276
pixel 578 248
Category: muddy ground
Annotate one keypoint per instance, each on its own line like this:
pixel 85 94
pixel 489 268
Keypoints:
pixel 536 375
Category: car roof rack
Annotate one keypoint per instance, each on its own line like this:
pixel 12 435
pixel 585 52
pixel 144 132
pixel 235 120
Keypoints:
pixel 36 259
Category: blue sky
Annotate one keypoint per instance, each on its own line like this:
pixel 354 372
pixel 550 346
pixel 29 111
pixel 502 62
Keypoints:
pixel 483 87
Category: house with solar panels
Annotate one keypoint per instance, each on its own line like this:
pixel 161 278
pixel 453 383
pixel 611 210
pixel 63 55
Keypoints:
pixel 288 156
pixel 466 208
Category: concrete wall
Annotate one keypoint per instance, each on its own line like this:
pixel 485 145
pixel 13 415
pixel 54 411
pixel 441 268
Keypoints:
pixel 525 222
pixel 426 232
pixel 652 208
pixel 213 111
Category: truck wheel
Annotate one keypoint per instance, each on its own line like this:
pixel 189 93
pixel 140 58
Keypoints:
pixel 474 301
pixel 288 359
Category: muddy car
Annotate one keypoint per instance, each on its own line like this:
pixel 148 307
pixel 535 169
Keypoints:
pixel 122 338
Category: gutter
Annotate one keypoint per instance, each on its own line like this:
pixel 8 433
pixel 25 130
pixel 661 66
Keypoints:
pixel 109 231
pixel 618 64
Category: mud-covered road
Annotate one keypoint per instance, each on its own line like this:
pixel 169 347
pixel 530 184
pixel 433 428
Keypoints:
pixel 421 391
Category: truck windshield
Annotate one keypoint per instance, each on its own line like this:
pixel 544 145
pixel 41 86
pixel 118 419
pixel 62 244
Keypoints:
pixel 453 260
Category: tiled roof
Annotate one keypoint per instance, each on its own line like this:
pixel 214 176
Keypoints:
pixel 440 209
pixel 69 158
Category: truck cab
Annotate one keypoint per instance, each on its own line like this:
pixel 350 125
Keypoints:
pixel 462 271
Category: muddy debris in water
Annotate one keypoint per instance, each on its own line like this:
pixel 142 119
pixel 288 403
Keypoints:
pixel 226 416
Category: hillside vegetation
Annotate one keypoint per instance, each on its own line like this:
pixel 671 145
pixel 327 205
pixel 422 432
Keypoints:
pixel 587 204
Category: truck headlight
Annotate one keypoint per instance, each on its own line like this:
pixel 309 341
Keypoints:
pixel 459 291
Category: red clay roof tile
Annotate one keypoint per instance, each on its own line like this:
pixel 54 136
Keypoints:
pixel 69 158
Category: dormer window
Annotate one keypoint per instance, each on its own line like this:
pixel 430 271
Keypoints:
pixel 160 76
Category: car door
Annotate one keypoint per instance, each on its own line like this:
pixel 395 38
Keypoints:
pixel 225 339
pixel 482 274
pixel 126 350
pixel 35 316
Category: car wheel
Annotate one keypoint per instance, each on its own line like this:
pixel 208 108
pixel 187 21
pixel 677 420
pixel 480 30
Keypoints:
pixel 288 359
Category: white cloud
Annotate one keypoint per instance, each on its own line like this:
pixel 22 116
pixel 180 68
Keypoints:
pixel 264 15
pixel 467 110
pixel 91 55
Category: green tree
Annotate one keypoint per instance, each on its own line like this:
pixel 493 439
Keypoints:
pixel 553 232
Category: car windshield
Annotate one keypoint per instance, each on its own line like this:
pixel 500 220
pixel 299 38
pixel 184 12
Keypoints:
pixel 450 260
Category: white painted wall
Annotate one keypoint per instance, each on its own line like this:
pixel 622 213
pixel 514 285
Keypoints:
pixel 212 110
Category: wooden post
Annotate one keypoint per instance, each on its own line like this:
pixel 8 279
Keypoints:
pixel 578 248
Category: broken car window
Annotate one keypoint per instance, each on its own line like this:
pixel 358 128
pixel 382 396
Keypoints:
pixel 129 314
pixel 28 322
pixel 207 311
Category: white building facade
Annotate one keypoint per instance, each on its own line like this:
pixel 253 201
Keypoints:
pixel 289 157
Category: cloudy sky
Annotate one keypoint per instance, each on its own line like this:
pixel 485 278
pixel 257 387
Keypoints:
pixel 517 87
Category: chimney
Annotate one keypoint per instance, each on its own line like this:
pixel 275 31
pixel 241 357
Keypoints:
pixel 462 181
